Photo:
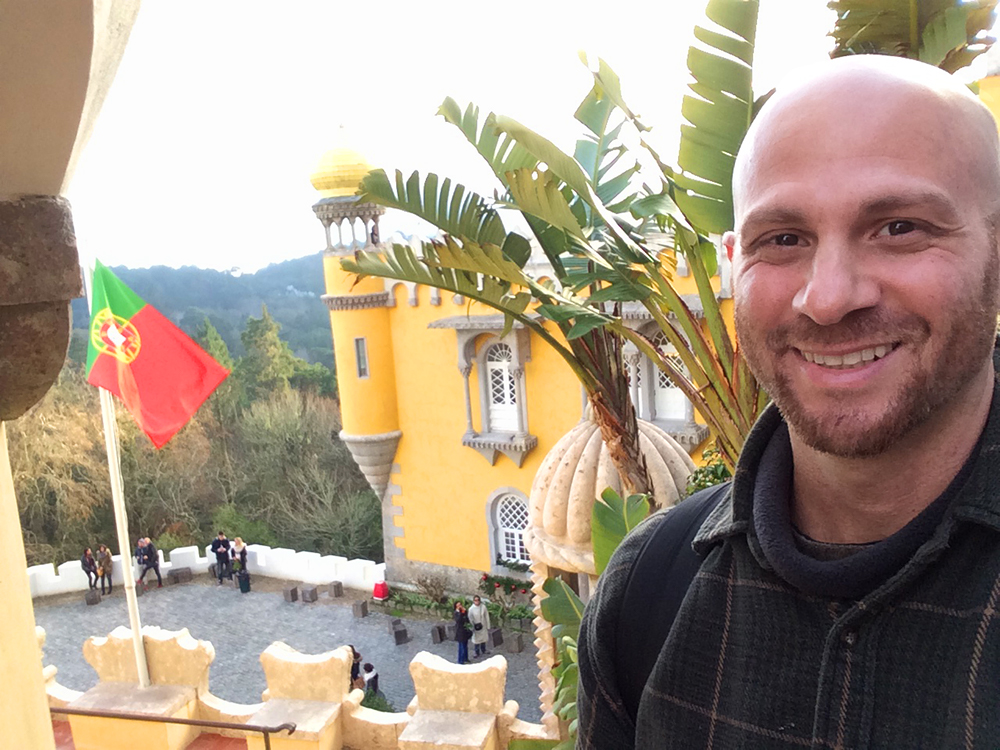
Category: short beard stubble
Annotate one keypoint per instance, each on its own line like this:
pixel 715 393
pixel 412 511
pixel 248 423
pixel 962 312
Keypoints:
pixel 968 343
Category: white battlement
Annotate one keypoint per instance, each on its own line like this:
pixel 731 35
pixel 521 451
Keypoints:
pixel 307 567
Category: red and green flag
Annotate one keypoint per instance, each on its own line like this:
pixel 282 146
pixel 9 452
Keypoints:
pixel 158 372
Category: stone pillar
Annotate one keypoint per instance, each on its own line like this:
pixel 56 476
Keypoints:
pixel 24 709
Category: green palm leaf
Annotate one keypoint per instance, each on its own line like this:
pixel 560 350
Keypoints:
pixel 718 114
pixel 947 33
pixel 451 209
pixel 500 150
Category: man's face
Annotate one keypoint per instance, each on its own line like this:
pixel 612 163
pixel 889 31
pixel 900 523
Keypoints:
pixel 866 273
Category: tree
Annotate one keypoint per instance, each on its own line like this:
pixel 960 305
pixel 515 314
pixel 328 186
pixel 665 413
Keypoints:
pixel 269 362
pixel 590 220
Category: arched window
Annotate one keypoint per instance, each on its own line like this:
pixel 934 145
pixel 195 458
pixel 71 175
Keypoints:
pixel 669 401
pixel 511 521
pixel 502 390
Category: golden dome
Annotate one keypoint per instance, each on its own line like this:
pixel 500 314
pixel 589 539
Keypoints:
pixel 339 173
pixel 572 476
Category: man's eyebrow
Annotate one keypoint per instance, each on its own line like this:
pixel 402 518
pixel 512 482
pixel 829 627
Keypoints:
pixel 772 215
pixel 891 203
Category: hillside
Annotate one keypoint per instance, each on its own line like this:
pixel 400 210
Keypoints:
pixel 290 289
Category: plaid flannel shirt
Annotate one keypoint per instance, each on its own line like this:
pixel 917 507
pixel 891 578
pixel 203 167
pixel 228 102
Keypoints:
pixel 752 662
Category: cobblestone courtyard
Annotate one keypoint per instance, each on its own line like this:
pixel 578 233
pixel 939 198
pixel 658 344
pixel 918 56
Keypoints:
pixel 241 626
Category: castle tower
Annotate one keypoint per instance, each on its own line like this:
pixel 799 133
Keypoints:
pixel 359 319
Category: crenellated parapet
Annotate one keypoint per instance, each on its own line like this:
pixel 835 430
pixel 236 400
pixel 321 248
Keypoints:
pixel 455 706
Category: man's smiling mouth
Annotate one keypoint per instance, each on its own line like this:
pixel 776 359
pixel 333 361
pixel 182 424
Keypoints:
pixel 848 360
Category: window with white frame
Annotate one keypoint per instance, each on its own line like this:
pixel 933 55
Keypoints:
pixel 669 401
pixel 361 356
pixel 511 521
pixel 501 389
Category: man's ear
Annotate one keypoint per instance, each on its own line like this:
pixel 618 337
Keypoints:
pixel 729 242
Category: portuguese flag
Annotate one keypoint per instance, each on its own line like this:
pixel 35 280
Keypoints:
pixel 158 372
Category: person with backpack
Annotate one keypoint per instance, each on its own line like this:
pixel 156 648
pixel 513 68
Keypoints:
pixel 841 592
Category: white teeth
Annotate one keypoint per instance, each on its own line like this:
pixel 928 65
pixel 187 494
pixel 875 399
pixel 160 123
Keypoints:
pixel 851 359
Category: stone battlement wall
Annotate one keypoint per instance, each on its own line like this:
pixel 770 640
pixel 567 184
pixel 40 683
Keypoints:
pixel 307 567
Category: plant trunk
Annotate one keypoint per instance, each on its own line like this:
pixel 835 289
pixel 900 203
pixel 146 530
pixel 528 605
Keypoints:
pixel 622 438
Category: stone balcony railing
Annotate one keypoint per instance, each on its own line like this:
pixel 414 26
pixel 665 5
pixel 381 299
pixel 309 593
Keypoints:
pixel 456 707
pixel 307 567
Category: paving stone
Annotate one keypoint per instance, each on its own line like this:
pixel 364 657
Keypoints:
pixel 360 608
pixel 291 593
pixel 93 596
pixel 241 626
pixel 309 594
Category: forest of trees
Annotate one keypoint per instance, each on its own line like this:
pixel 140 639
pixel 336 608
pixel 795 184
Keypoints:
pixel 291 290
pixel 262 460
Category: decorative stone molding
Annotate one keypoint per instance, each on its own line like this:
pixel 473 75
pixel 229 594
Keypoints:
pixel 337 302
pixel 374 455
pixel 690 436
pixel 350 207
pixel 490 445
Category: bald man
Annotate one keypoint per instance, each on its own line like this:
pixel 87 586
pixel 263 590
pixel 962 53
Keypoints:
pixel 845 590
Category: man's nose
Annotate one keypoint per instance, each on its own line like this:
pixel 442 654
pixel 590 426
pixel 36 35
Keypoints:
pixel 837 283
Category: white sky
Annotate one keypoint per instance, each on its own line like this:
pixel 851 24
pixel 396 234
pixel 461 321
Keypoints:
pixel 221 110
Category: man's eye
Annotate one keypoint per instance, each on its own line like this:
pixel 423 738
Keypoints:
pixel 785 239
pixel 894 228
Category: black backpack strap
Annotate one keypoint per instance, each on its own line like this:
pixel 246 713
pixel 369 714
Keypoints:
pixel 657 585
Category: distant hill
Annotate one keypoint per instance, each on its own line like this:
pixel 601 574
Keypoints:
pixel 290 289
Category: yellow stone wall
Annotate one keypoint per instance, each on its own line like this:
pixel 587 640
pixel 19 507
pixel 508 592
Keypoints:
pixel 445 486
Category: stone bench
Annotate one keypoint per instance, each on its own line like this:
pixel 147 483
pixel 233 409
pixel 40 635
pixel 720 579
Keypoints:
pixel 449 730
pixel 179 575
pixel 317 725
pixel 169 701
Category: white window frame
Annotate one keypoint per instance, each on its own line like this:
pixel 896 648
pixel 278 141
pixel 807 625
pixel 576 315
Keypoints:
pixel 516 382
pixel 498 532
pixel 362 364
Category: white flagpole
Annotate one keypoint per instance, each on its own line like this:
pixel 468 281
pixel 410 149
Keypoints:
pixel 121 518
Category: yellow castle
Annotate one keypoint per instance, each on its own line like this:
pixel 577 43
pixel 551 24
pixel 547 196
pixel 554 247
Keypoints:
pixel 449 420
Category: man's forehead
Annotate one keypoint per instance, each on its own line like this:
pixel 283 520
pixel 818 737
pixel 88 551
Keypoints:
pixel 870 108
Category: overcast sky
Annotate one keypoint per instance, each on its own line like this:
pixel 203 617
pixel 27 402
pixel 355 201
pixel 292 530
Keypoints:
pixel 221 110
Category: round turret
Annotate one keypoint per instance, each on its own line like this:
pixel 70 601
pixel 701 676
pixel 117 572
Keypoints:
pixel 339 173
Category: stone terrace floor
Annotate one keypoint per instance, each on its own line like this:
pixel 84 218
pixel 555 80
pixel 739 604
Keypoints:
pixel 241 626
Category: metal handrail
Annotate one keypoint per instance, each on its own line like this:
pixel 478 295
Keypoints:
pixel 288 726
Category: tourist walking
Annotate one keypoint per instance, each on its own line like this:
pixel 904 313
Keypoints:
pixel 149 560
pixel 89 565
pixel 462 633
pixel 371 678
pixel 220 546
pixel 479 616
pixel 105 566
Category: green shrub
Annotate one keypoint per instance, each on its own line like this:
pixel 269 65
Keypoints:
pixel 168 541
pixel 377 702
pixel 228 518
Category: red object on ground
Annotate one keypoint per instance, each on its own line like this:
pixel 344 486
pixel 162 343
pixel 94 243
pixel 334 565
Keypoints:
pixel 381 591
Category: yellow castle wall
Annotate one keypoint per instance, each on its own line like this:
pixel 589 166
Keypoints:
pixel 445 486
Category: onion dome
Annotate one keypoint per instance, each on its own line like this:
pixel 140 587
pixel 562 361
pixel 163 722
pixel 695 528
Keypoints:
pixel 339 173
pixel 572 477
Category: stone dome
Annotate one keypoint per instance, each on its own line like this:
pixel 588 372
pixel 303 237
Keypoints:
pixel 572 477
pixel 339 173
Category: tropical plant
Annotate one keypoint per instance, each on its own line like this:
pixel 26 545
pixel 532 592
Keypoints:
pixel 947 33
pixel 590 216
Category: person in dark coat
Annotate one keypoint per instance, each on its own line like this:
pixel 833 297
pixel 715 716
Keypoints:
pixel 149 559
pixel 105 566
pixel 462 632
pixel 89 565
pixel 220 546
